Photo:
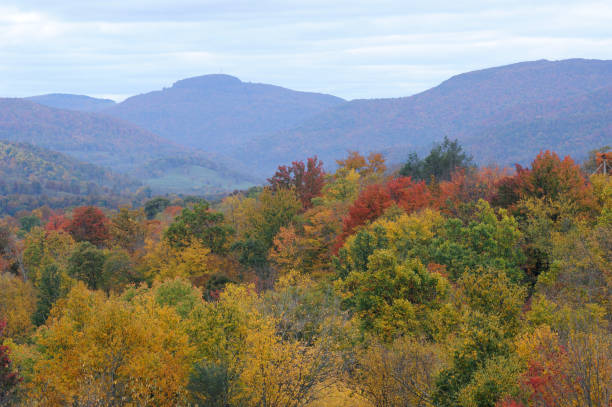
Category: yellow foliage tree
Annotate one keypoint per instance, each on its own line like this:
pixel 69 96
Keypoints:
pixel 163 261
pixel 106 351
pixel 399 374
pixel 17 304
pixel 43 248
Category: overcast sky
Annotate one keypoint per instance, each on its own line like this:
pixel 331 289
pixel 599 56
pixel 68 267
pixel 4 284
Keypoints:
pixel 353 49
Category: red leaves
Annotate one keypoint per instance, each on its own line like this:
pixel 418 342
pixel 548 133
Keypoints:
pixel 409 195
pixel 57 222
pixel 510 403
pixel 8 378
pixel 374 199
pixel 549 177
pixel 370 204
pixel 89 224
pixel 308 180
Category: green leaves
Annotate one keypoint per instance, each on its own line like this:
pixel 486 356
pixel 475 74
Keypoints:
pixel 199 224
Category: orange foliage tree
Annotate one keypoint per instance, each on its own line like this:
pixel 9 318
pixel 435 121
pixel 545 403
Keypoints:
pixel 374 199
pixel 57 222
pixel 89 224
pixel 549 177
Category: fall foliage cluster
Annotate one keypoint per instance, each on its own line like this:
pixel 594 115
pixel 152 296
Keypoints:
pixel 441 284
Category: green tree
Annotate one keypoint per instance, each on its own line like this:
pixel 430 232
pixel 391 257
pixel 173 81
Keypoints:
pixel 391 298
pixel 118 271
pixel 86 263
pixel 199 224
pixel 155 206
pixel 28 222
pixel 49 291
pixel 273 210
pixel 492 306
pixel 444 159
pixel 127 229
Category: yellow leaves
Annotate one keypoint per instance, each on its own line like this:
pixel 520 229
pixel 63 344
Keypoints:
pixel 577 365
pixel 284 373
pixel 414 227
pixel 237 209
pixel 132 353
pixel 42 248
pixel 602 190
pixel 399 374
pixel 164 261
pixel 17 304
pixel 343 187
pixel 534 343
pixel 285 252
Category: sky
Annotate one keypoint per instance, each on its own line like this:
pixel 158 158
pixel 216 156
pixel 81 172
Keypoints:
pixel 352 49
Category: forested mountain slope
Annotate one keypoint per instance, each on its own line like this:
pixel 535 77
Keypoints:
pixel 87 136
pixel 542 104
pixel 117 144
pixel 220 112
pixel 32 176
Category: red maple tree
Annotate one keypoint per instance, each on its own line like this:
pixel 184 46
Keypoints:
pixel 89 224
pixel 307 179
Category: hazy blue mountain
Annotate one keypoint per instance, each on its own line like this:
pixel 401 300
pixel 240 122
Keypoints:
pixel 218 113
pixel 72 102
pixel 504 114
pixel 116 144
pixel 86 136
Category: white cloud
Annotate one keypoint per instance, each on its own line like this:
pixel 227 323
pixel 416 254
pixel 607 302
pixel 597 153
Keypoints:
pixel 356 48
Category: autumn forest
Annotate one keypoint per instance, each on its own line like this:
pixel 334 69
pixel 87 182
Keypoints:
pixel 437 282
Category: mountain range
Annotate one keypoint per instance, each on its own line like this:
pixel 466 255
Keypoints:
pixel 504 115
pixel 217 132
pixel 218 113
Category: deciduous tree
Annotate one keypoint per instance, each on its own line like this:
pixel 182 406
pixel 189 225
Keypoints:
pixel 89 224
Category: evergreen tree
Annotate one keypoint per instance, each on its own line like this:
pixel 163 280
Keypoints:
pixel 49 291
pixel 444 159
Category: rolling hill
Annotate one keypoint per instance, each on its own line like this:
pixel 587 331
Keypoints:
pixel 32 176
pixel 88 137
pixel 113 143
pixel 218 113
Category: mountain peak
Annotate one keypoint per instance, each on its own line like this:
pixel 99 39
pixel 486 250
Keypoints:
pixel 213 81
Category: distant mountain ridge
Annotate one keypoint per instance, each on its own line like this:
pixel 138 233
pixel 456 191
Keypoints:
pixel 486 110
pixel 112 143
pixel 80 103
pixel 89 137
pixel 504 114
pixel 219 112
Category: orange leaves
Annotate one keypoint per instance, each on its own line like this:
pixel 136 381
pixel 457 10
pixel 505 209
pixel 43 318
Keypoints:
pixel 374 199
pixel 57 222
pixel 370 204
pixel 566 370
pixel 89 224
pixel 409 195
pixel 468 187
pixel 549 177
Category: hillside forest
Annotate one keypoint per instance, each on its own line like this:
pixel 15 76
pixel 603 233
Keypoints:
pixel 434 283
